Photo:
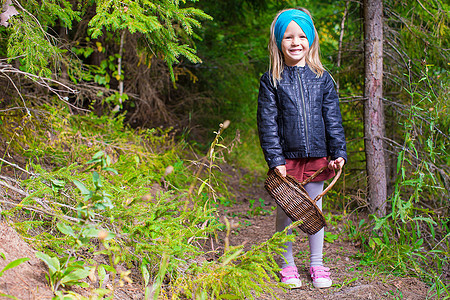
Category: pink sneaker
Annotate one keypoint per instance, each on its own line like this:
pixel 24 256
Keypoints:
pixel 320 277
pixel 289 275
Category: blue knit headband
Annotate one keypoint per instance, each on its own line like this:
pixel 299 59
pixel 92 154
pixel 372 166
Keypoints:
pixel 301 18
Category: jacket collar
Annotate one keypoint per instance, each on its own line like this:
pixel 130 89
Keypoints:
pixel 296 68
pixel 292 72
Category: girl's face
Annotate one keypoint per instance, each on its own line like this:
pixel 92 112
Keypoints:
pixel 295 46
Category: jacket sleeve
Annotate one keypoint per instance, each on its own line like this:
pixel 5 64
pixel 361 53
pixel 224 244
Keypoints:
pixel 267 116
pixel 336 145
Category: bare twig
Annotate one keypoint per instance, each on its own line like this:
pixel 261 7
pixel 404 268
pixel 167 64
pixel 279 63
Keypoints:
pixel 341 38
pixel 425 8
pixel 42 81
pixel 16 166
pixel 406 108
pixel 13 108
pixel 23 193
pixel 35 209
pixel 352 99
pixel 18 92
pixel 42 202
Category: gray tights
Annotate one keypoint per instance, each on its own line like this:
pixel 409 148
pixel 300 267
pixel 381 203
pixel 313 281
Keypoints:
pixel 315 241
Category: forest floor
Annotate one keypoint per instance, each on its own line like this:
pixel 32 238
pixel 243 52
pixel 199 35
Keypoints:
pixel 351 280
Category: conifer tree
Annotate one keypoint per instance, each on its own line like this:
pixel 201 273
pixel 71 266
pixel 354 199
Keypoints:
pixel 33 45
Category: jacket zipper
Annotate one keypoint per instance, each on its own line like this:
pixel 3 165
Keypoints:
pixel 304 113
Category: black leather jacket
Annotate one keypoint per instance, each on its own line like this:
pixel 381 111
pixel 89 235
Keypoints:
pixel 300 117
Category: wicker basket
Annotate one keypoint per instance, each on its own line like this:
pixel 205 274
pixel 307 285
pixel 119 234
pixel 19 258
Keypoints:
pixel 292 197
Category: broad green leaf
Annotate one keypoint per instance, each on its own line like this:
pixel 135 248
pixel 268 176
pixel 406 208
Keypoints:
pixel 52 262
pixel 81 187
pixel 82 284
pixel 361 223
pixel 75 276
pixel 377 241
pixel 101 274
pixel 13 264
pixel 99 154
pixel 102 292
pixel 202 186
pixel 58 183
pixel 96 179
pixel 109 268
pixel 371 244
pixel 90 232
pixel 111 170
pixel 65 229
pixel 145 274
pixel 425 219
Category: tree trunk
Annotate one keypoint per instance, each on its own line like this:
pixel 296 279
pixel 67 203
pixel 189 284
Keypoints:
pixel 373 107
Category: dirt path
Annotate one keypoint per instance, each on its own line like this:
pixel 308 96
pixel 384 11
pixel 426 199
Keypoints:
pixel 351 281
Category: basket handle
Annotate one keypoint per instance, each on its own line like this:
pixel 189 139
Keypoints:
pixel 308 180
pixel 336 177
pixel 329 186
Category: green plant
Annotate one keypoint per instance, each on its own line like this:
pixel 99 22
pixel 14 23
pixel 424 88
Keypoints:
pixel 11 264
pixel 411 239
pixel 155 289
pixel 64 272
pixel 333 219
pixel 100 201
pixel 330 237
pixel 397 294
pixel 69 270
pixel 237 274
pixel 259 210
pixel 346 282
pixel 225 201
pixel 358 232
pixel 164 24
pixel 214 154
pixel 303 256
pixel 97 199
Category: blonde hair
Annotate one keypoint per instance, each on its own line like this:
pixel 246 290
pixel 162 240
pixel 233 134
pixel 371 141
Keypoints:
pixel 277 59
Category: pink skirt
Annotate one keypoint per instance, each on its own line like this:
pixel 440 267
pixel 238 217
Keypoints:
pixel 302 168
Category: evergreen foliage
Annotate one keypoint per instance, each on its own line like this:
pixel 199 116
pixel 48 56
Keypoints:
pixel 163 24
pixel 29 41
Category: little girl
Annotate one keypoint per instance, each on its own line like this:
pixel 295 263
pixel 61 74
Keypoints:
pixel 300 124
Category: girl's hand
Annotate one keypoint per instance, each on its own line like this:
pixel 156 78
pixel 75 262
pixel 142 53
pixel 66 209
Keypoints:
pixel 282 170
pixel 337 163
